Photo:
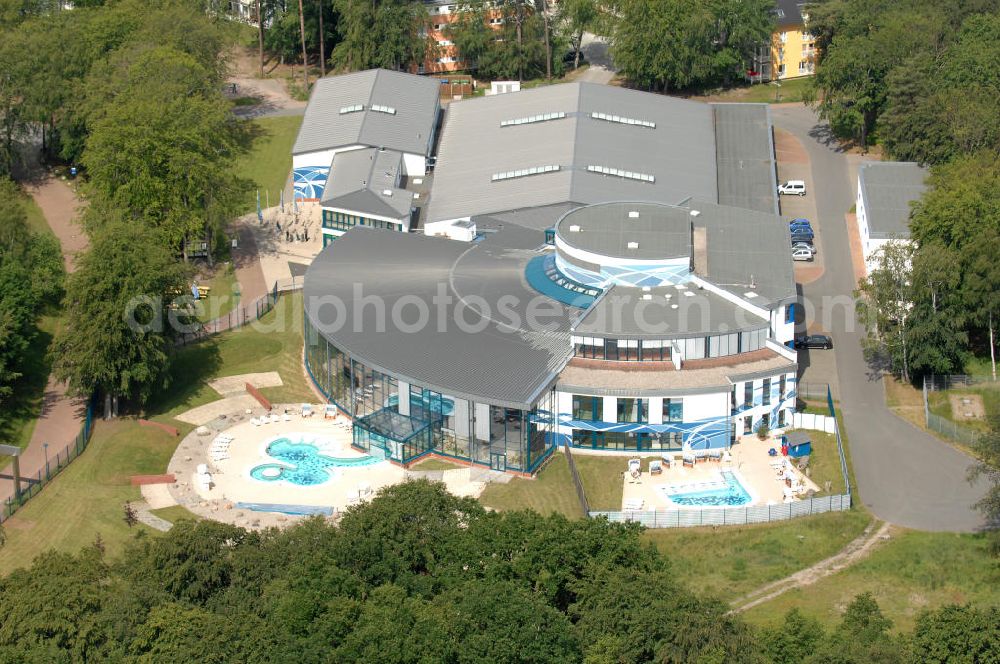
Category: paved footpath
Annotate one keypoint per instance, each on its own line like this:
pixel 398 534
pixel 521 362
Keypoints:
pixel 905 476
pixel 61 416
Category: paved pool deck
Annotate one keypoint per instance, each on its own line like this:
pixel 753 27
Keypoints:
pixel 749 462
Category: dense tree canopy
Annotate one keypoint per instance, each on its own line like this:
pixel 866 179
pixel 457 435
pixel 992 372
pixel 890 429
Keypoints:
pixel 921 75
pixel 381 33
pixel 118 332
pixel 31 276
pixel 421 576
pixel 680 44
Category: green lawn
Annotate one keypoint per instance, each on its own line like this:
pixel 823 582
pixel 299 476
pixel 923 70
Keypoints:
pixel 789 91
pixel 824 463
pixel 269 162
pixel 175 513
pixel 223 296
pixel 436 464
pixel 36 220
pixel 602 480
pixel 940 404
pixel 913 571
pixel 731 561
pixel 274 343
pixel 551 490
pixel 87 497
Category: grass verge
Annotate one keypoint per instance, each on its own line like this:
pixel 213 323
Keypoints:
pixel 269 161
pixel 551 490
pixel 913 571
pixel 175 513
pixel 602 480
pixel 762 93
pixel 731 561
pixel 437 464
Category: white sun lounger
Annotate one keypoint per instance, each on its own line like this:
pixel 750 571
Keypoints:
pixel 275 418
pixel 633 504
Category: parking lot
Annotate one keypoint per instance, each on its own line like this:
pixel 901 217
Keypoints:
pixel 793 164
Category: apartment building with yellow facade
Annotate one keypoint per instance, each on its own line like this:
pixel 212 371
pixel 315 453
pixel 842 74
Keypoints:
pixel 793 47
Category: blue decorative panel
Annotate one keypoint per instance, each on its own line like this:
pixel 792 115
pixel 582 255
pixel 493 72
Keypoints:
pixel 309 181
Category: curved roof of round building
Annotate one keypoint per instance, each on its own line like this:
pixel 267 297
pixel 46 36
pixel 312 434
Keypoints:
pixel 628 230
pixel 462 319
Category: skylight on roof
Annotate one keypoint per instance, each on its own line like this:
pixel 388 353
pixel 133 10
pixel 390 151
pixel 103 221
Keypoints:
pixel 544 117
pixel 607 117
pixel 352 109
pixel 525 172
pixel 383 109
pixel 617 172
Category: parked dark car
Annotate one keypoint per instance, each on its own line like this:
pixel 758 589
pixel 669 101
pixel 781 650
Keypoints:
pixel 802 235
pixel 814 341
pixel 799 222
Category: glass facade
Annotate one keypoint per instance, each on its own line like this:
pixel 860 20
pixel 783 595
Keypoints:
pixel 633 410
pixel 406 421
pixel 673 410
pixel 587 407
pixel 627 441
pixel 660 350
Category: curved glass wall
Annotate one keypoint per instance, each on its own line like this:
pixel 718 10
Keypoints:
pixel 407 421
pixel 661 350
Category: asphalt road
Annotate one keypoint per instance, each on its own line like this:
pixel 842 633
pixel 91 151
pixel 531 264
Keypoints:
pixel 904 475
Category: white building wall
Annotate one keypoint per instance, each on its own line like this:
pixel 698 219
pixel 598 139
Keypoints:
pixel 706 406
pixel 414 165
pixel 321 158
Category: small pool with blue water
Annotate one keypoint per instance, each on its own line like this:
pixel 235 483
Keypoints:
pixel 727 491
pixel 302 463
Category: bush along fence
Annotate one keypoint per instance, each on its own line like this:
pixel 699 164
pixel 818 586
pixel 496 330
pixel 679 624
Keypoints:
pixel 32 481
pixel 733 516
pixel 943 383
pixel 243 314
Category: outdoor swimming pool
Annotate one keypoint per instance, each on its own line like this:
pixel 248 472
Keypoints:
pixel 302 463
pixel 727 491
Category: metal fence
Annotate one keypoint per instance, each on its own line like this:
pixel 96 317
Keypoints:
pixel 54 464
pixel 580 493
pixel 733 516
pixel 243 314
pixel 730 516
pixel 811 390
pixel 942 425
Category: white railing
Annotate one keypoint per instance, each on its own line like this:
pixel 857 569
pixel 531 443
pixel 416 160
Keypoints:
pixel 730 516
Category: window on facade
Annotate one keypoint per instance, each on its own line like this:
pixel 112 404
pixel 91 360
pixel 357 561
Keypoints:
pixel 590 347
pixel 767 392
pixel 748 393
pixel 633 410
pixel 782 387
pixel 781 69
pixel 610 349
pixel 790 313
pixel 586 407
pixel 781 418
pixel 673 410
pixel 628 349
pixel 747 425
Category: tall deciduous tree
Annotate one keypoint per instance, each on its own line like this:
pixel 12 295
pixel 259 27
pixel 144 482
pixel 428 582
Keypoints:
pixel 578 16
pixel 884 301
pixel 118 333
pixel 391 34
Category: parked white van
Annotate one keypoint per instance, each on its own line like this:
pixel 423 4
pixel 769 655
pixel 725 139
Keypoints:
pixel 796 187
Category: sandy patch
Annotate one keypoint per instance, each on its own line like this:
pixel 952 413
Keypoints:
pixel 228 385
pixel 208 412
pixel 157 496
pixel 966 407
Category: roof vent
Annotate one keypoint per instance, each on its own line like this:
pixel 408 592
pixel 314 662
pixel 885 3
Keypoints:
pixel 688 294
pixel 668 296
pixel 633 214
pixel 574 229
pixel 387 192
pixel 694 213
pixel 680 287
pixel 633 245
pixel 673 306
pixel 750 295
pixel 647 296
pixel 645 289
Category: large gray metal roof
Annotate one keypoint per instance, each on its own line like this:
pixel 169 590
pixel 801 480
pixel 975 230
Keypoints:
pixel 632 313
pixel 745 157
pixel 414 98
pixel 887 188
pixel 659 231
pixel 679 151
pixel 365 181
pixel 476 354
pixel 747 252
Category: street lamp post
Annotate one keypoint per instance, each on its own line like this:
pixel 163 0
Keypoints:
pixel 45 448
